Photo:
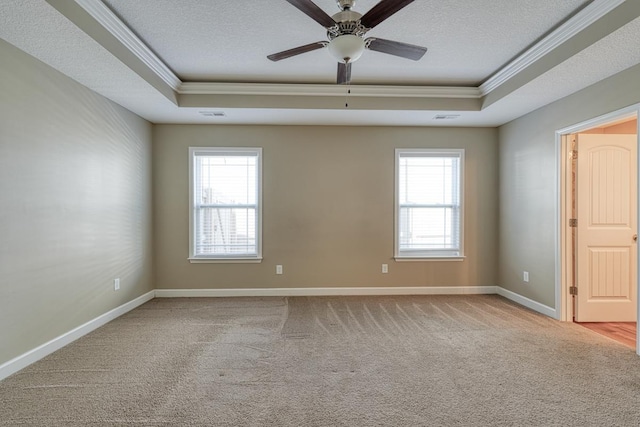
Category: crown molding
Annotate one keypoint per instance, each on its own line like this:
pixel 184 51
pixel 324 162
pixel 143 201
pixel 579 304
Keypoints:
pixel 587 16
pixel 583 19
pixel 276 89
pixel 105 17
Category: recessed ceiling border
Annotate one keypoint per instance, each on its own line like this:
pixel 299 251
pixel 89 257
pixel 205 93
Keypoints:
pixel 581 20
pixel 112 23
pixel 274 89
pixel 103 25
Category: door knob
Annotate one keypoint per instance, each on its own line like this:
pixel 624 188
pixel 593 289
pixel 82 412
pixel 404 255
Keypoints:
pixel 635 237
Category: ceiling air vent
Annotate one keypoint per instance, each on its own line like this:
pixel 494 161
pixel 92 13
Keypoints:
pixel 446 116
pixel 213 113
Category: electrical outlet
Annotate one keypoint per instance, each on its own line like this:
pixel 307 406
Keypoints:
pixel 525 276
pixel 116 284
pixel 385 268
pixel 278 269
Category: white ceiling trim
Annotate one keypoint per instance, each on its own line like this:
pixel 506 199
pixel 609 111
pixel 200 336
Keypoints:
pixel 328 90
pixel 105 17
pixel 570 28
pixel 587 16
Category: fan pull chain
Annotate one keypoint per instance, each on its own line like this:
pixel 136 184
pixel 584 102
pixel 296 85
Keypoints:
pixel 346 96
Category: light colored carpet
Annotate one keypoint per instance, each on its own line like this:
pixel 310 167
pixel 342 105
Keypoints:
pixel 330 361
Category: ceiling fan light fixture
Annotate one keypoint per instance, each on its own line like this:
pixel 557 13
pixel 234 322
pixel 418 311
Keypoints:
pixel 347 48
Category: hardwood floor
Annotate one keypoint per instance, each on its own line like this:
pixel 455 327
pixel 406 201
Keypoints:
pixel 623 332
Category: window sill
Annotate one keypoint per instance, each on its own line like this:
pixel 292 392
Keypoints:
pixel 252 260
pixel 428 258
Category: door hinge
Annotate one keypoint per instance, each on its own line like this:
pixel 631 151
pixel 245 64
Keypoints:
pixel 573 290
pixel 574 154
pixel 573 222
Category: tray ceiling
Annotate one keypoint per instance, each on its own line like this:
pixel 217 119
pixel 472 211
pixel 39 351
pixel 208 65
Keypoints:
pixel 489 61
pixel 228 41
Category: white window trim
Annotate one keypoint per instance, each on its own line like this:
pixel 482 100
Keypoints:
pixel 424 255
pixel 199 259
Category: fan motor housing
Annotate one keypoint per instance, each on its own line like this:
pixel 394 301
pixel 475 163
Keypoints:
pixel 346 4
pixel 348 22
pixel 346 15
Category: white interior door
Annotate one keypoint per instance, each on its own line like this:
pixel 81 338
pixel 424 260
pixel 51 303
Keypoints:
pixel 607 223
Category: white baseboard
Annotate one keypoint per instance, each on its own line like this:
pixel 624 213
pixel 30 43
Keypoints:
pixel 26 359
pixel 291 292
pixel 529 303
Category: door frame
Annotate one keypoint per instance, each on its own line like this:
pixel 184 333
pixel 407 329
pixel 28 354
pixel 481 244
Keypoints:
pixel 564 273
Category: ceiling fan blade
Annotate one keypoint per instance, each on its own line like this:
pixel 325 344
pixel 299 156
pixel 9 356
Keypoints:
pixel 344 73
pixel 314 12
pixel 382 11
pixel 404 50
pixel 297 51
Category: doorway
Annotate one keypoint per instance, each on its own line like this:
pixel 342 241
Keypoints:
pixel 598 225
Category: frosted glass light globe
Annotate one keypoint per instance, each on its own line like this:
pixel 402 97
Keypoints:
pixel 346 48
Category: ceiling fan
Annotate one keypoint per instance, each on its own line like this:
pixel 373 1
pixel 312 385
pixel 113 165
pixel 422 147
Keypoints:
pixel 346 30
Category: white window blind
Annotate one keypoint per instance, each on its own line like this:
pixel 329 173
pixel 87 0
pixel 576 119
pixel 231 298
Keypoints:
pixel 429 203
pixel 225 203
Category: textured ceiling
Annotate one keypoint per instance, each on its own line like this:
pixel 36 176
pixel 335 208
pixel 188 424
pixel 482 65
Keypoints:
pixel 39 30
pixel 227 41
pixel 203 40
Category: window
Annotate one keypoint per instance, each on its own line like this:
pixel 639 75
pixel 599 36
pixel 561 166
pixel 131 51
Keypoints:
pixel 225 204
pixel 429 203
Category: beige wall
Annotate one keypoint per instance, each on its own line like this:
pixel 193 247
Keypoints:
pixel 528 182
pixel 328 207
pixel 75 204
